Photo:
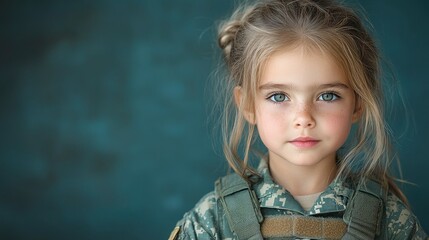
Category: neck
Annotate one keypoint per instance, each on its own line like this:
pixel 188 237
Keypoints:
pixel 300 179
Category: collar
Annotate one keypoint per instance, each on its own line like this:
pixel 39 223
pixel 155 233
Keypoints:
pixel 272 195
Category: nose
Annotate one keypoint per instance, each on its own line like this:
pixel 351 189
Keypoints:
pixel 304 119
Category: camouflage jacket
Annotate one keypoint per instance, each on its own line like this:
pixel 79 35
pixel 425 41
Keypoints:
pixel 208 221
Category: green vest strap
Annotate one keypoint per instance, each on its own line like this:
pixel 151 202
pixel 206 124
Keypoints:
pixel 306 227
pixel 363 215
pixel 241 206
pixel 365 211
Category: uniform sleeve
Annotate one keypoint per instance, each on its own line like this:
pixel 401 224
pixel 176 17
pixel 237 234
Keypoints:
pixel 401 222
pixel 201 222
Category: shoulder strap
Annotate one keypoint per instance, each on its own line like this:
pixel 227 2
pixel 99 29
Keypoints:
pixel 365 211
pixel 241 206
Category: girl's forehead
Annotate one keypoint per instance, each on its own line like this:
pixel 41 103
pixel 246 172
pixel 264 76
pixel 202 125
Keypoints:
pixel 299 64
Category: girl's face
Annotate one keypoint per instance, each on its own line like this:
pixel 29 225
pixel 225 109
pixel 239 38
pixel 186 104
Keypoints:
pixel 304 108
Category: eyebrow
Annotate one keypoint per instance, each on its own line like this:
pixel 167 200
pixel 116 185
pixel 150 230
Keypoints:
pixel 270 86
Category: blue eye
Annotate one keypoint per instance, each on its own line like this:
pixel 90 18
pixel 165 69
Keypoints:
pixel 278 97
pixel 328 97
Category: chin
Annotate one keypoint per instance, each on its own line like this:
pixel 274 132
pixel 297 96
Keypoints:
pixel 304 163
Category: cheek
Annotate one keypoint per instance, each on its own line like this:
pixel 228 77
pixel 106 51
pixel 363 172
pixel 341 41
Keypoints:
pixel 270 123
pixel 338 123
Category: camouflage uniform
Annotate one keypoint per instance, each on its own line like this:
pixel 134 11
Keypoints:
pixel 207 221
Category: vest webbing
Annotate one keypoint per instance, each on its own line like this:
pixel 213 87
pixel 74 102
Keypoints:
pixel 241 206
pixel 365 211
pixel 303 227
pixel 363 214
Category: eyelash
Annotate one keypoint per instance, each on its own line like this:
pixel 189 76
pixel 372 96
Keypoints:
pixel 269 98
pixel 336 97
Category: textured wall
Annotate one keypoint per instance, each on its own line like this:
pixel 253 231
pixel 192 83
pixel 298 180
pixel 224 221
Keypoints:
pixel 104 130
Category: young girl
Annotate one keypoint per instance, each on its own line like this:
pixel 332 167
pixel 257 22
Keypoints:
pixel 301 73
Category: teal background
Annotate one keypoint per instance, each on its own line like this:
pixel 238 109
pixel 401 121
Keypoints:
pixel 104 128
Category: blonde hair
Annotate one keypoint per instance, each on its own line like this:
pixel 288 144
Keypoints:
pixel 255 31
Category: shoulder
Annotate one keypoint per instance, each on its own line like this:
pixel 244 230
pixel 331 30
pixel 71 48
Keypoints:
pixel 204 221
pixel 401 223
pixel 201 220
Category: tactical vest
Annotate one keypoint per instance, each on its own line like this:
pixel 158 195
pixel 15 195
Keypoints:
pixel 361 220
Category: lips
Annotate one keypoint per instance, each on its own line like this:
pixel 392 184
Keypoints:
pixel 304 142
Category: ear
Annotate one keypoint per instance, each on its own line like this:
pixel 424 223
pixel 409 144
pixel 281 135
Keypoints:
pixel 357 114
pixel 247 113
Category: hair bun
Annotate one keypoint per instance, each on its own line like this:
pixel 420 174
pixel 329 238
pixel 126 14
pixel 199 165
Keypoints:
pixel 227 35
